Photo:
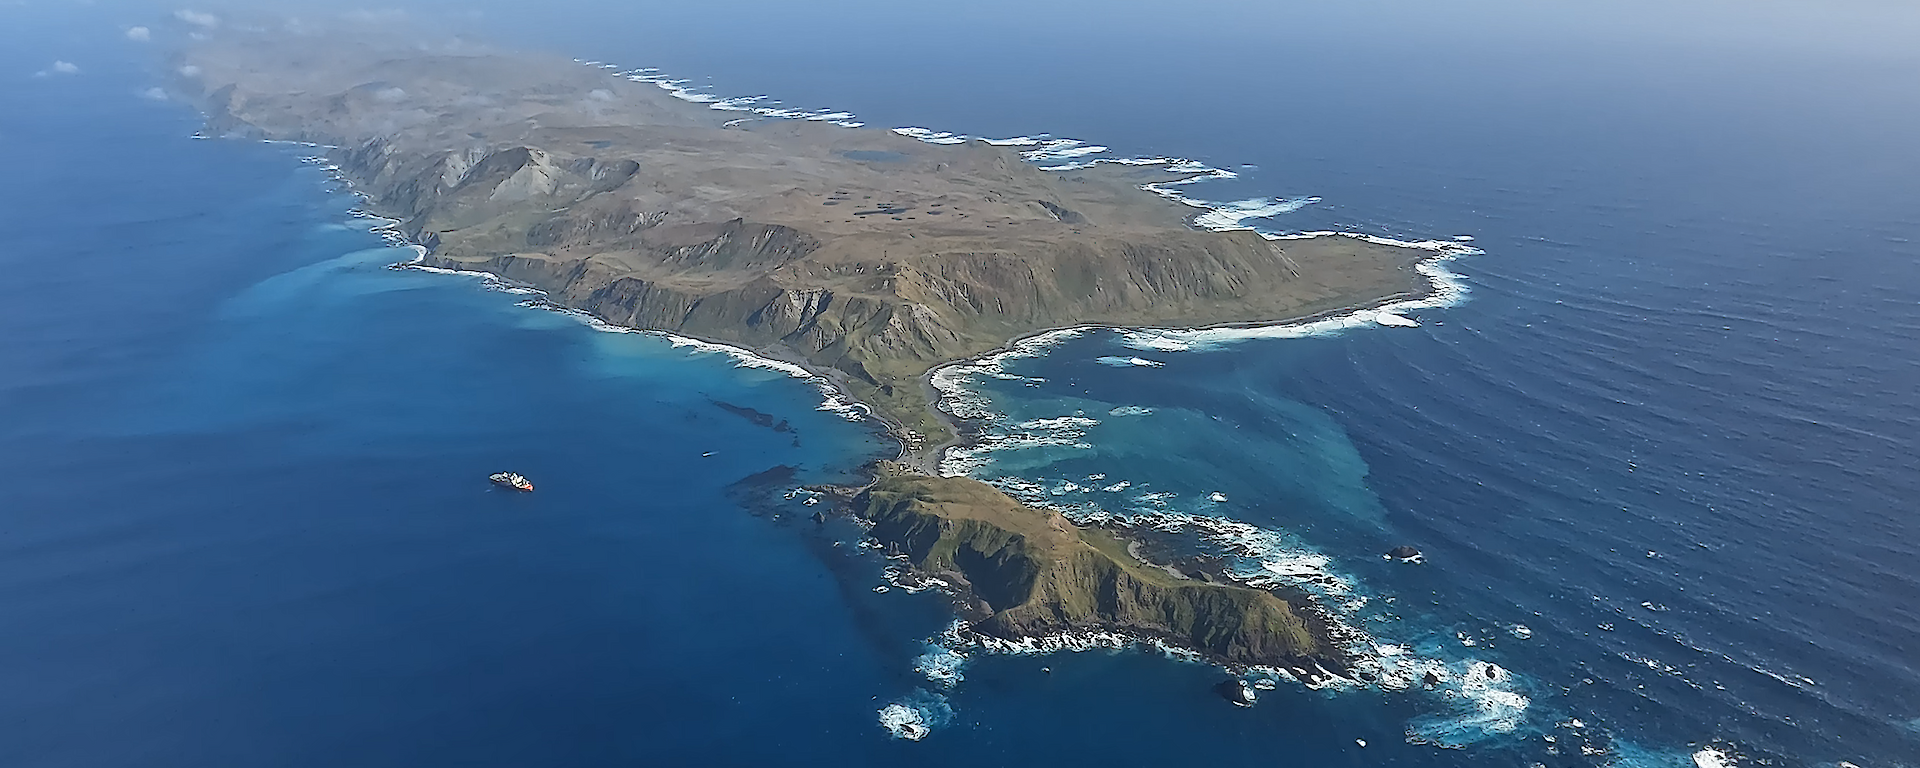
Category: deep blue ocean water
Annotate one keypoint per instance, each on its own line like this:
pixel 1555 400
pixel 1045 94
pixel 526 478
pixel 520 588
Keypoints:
pixel 1671 431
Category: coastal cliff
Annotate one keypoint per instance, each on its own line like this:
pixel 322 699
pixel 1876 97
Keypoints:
pixel 867 255
pixel 1028 572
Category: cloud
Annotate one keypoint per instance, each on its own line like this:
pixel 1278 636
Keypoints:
pixel 139 34
pixel 189 71
pixel 59 68
pixel 377 16
pixel 390 95
pixel 197 18
pixel 155 94
pixel 600 94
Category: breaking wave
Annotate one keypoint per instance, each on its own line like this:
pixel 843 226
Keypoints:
pixel 941 665
pixel 1481 703
pixel 1228 216
pixel 915 716
pixel 1063 432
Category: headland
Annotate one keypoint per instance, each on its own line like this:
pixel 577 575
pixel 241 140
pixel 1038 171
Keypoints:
pixel 1019 572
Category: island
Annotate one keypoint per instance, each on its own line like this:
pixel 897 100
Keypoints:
pixel 868 256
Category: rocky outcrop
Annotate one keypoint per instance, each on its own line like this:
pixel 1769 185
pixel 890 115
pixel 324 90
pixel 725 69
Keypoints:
pixel 1030 573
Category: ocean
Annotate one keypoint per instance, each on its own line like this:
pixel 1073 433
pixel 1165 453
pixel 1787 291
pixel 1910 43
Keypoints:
pixel 1658 456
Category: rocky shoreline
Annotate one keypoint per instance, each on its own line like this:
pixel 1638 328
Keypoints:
pixel 1023 579
pixel 644 212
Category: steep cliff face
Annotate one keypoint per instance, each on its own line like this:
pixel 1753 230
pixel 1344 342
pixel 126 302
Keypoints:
pixel 1039 575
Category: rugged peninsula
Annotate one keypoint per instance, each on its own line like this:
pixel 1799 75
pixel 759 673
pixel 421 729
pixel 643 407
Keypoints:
pixel 868 256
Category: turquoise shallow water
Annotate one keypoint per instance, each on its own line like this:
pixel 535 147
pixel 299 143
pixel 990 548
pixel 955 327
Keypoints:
pixel 248 523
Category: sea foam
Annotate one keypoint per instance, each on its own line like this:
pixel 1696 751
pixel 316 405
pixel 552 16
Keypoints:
pixel 916 715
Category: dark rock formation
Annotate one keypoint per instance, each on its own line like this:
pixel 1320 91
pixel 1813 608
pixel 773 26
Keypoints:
pixel 1237 691
pixel 1039 575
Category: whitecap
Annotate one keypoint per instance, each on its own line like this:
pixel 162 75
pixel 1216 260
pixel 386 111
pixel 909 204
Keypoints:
pixel 1223 217
pixel 1482 704
pixel 1712 758
pixel 941 665
pixel 916 715
pixel 1125 362
pixel 904 722
pixel 1066 424
pixel 1066 487
pixel 930 136
pixel 1062 149
pixel 1395 320
pixel 1149 339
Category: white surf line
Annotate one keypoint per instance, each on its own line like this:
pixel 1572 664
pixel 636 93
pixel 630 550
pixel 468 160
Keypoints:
pixel 1446 289
pixel 1053 153
pixel 952 381
pixel 833 399
pixel 1048 152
